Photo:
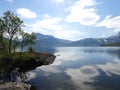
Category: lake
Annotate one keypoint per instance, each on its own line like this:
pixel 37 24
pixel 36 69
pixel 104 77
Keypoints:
pixel 79 68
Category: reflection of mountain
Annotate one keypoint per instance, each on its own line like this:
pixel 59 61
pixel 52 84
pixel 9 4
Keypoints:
pixel 112 51
pixel 51 41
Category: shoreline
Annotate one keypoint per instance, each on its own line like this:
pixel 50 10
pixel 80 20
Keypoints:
pixel 13 74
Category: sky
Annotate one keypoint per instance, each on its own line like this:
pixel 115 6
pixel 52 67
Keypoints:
pixel 67 19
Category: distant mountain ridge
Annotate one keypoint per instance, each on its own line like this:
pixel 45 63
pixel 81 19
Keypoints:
pixel 96 41
pixel 51 41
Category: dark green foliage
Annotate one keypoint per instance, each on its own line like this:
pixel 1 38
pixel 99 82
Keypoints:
pixel 12 27
pixel 4 45
pixel 27 39
pixel 10 68
pixel 1 34
pixel 30 49
pixel 11 37
pixel 10 33
pixel 112 44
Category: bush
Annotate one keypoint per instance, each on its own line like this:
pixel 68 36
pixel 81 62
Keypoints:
pixel 30 49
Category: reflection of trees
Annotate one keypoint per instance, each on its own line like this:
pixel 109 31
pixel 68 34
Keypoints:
pixel 115 52
pixel 13 76
pixel 9 73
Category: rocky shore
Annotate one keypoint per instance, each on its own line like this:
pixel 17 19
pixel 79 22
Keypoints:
pixel 10 72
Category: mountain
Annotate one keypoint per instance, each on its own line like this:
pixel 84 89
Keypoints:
pixel 114 38
pixel 87 42
pixel 47 42
pixel 96 41
pixel 51 41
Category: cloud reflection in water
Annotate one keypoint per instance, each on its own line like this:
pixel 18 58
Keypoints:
pixel 81 69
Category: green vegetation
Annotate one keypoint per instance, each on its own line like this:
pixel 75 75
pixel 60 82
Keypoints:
pixel 12 36
pixel 112 44
pixel 10 68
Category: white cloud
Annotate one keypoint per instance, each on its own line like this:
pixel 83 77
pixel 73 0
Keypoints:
pixel 69 34
pixel 83 12
pixel 49 23
pixel 111 23
pixel 46 15
pixel 58 1
pixel 53 26
pixel 26 13
pixel 117 30
pixel 10 1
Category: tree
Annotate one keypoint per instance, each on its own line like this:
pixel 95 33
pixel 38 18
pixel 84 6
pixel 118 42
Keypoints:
pixel 27 39
pixel 30 49
pixel 15 44
pixel 10 33
pixel 12 26
pixel 1 29
pixel 1 34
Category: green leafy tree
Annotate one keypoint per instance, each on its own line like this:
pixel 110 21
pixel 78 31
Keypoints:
pixel 10 33
pixel 30 49
pixel 27 39
pixel 1 34
pixel 15 44
pixel 12 26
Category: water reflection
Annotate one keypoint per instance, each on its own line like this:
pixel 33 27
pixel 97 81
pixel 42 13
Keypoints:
pixel 80 68
pixel 109 76
pixel 16 70
pixel 7 72
pixel 80 75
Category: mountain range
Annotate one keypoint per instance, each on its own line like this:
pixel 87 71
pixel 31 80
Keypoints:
pixel 97 41
pixel 51 41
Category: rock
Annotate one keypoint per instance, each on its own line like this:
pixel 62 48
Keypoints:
pixel 49 60
pixel 14 86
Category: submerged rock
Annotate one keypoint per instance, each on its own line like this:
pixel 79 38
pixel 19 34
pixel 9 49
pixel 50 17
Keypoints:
pixel 14 86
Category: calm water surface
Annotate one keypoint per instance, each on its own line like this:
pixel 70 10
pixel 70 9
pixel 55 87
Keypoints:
pixel 80 68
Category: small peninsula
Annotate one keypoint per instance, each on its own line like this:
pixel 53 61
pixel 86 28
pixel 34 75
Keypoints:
pixel 14 60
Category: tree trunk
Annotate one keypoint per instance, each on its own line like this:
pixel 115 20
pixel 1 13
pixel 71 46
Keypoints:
pixel 9 51
pixel 21 51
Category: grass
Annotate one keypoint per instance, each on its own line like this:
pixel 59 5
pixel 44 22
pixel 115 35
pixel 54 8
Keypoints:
pixel 24 56
pixel 27 60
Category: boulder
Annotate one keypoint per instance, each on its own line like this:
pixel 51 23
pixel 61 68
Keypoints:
pixel 14 86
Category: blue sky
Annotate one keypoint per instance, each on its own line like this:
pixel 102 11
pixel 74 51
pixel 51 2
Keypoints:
pixel 67 19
